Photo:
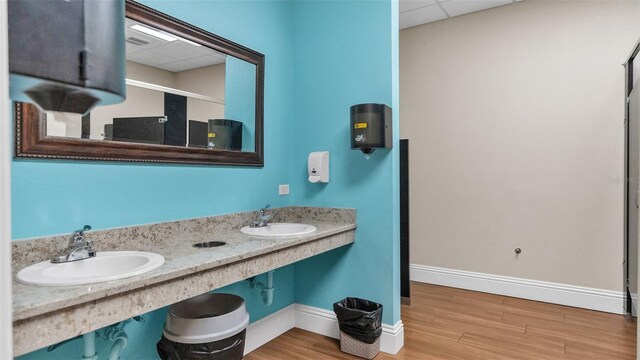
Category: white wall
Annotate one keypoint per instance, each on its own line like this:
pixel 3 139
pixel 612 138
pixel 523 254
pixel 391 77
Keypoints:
pixel 6 306
pixel 515 120
pixel 207 81
pixel 150 74
pixel 140 102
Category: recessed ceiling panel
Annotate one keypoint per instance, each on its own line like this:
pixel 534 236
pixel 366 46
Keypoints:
pixel 169 52
pixel 461 7
pixel 207 60
pixel 178 66
pixel 418 12
pixel 406 5
pixel 421 16
pixel 147 58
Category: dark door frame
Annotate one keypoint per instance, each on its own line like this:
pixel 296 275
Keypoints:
pixel 405 290
pixel 628 88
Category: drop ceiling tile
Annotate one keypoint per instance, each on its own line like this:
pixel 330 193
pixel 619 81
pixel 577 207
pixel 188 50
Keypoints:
pixel 129 22
pixel 153 58
pixel 406 5
pixel 132 49
pixel 179 50
pixel 420 16
pixel 203 50
pixel 145 58
pixel 148 42
pixel 207 60
pixel 174 56
pixel 163 57
pixel 461 7
pixel 178 66
pixel 151 41
pixel 220 58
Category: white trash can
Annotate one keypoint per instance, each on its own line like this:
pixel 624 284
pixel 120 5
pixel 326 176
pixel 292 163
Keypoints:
pixel 205 327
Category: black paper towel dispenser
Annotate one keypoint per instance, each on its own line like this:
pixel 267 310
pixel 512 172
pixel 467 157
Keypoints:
pixel 371 127
pixel 67 55
pixel 224 134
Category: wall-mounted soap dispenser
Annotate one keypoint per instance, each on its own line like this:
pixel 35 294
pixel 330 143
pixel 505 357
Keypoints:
pixel 371 127
pixel 319 167
pixel 67 55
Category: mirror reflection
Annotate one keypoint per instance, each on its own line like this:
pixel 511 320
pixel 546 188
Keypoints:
pixel 179 93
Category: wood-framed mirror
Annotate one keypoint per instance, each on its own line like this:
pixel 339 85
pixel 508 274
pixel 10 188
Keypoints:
pixel 192 97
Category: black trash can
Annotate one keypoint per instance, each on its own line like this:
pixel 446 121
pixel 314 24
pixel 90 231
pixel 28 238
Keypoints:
pixel 360 324
pixel 205 327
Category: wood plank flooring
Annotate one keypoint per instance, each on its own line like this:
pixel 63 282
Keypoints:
pixel 448 323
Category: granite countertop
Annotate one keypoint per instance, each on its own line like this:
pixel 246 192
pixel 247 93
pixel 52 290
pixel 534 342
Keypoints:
pixel 173 241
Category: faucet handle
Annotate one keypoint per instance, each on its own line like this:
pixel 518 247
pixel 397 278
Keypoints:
pixel 79 248
pixel 261 211
pixel 79 234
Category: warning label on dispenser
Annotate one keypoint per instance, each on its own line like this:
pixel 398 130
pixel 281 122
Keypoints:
pixel 212 134
pixel 360 125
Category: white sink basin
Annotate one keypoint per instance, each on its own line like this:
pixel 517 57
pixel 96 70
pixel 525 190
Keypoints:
pixel 279 230
pixel 105 266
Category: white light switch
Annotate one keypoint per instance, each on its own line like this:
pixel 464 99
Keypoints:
pixel 283 189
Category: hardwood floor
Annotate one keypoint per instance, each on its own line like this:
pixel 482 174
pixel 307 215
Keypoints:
pixel 448 323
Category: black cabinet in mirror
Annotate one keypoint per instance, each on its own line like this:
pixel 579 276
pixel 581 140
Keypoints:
pixel 192 97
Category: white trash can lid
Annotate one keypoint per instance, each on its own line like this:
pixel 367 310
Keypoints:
pixel 206 318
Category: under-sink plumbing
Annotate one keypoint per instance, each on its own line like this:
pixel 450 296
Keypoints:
pixel 89 346
pixel 120 340
pixel 115 333
pixel 266 290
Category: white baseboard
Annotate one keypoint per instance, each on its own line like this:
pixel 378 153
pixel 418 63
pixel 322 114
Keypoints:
pixel 563 294
pixel 324 322
pixel 392 338
pixel 269 328
pixel 316 320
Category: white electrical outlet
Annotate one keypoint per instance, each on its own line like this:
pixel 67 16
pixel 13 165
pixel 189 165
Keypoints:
pixel 283 189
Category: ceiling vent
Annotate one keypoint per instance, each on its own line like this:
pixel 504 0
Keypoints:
pixel 136 41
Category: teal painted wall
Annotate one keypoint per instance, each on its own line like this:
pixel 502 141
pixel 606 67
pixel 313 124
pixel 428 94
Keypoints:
pixel 143 336
pixel 240 87
pixel 343 56
pixel 321 58
pixel 55 197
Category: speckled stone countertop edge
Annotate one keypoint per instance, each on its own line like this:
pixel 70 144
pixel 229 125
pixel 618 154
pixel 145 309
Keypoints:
pixel 67 296
pixel 36 332
pixel 30 301
pixel 146 236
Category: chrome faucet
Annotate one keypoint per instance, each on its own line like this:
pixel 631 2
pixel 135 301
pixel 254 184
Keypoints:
pixel 263 219
pixel 79 248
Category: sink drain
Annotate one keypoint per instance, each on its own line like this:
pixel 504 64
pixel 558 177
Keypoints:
pixel 209 244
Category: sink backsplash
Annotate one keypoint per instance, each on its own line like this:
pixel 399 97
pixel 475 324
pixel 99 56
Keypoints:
pixel 151 236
